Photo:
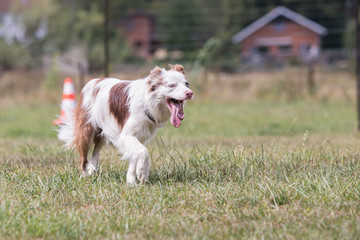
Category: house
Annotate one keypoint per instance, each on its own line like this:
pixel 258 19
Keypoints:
pixel 138 28
pixel 281 33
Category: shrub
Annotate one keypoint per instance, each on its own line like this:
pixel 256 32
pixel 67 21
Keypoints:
pixel 13 56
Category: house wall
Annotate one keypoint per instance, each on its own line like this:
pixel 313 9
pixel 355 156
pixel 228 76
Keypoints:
pixel 137 31
pixel 295 33
pixel 5 5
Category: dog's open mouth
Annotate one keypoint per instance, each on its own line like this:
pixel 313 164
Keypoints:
pixel 176 108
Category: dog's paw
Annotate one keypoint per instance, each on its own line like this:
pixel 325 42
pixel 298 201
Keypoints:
pixel 142 176
pixel 131 179
pixel 142 173
pixel 131 182
pixel 90 169
pixel 143 181
pixel 83 174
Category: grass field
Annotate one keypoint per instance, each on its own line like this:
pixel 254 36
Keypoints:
pixel 259 169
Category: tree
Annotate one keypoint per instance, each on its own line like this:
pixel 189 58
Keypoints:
pixel 27 47
pixel 80 23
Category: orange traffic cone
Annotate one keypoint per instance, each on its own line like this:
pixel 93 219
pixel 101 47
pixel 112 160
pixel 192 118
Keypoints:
pixel 68 101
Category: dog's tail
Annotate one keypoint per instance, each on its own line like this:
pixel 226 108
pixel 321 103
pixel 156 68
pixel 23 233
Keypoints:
pixel 66 130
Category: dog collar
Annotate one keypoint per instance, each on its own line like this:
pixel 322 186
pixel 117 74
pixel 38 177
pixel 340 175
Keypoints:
pixel 151 118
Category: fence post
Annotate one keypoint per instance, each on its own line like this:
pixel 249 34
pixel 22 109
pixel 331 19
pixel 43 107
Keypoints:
pixel 310 78
pixel 357 59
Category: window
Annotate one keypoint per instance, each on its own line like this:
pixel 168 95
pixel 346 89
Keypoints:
pixel 304 49
pixel 138 44
pixel 279 25
pixel 262 50
pixel 129 25
pixel 285 50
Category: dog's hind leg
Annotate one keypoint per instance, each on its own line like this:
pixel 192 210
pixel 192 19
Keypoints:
pixel 93 165
pixel 83 133
pixel 83 142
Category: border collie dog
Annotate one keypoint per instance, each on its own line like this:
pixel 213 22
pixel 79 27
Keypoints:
pixel 127 114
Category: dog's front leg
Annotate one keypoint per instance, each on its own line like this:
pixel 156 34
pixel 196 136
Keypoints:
pixel 139 160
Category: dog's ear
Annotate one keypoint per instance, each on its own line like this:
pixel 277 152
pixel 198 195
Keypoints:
pixel 155 72
pixel 155 78
pixel 177 67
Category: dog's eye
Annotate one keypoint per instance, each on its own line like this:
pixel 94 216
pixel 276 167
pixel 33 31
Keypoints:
pixel 187 84
pixel 172 85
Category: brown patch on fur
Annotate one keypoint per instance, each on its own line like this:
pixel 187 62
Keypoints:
pixel 118 99
pixel 156 85
pixel 95 92
pixel 97 89
pixel 155 79
pixel 83 133
pixel 97 138
pixel 177 67
pixel 155 72
pixel 100 80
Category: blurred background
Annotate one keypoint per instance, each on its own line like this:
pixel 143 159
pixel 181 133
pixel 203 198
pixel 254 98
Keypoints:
pixel 271 67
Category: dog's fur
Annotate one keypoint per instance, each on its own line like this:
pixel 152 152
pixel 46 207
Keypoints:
pixel 126 114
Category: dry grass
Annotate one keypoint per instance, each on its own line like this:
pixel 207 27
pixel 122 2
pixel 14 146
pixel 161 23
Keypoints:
pixel 287 85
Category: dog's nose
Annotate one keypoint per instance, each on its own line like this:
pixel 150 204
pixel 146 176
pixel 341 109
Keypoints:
pixel 189 94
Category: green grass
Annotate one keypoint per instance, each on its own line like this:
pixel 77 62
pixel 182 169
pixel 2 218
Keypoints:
pixel 210 120
pixel 257 170
pixel 28 120
pixel 233 120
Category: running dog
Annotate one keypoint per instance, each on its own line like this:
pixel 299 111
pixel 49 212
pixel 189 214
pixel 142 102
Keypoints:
pixel 127 114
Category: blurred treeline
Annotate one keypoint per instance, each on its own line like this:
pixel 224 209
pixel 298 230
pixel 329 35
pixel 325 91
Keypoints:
pixel 183 25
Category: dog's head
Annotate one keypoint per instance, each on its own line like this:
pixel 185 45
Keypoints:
pixel 172 89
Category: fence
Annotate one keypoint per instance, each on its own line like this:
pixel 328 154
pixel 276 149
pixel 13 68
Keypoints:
pixel 39 34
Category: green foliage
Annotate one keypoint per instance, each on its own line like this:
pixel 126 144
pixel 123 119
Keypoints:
pixel 348 37
pixel 206 53
pixel 16 55
pixel 53 77
pixel 82 24
pixel 30 53
pixel 216 56
pixel 120 52
pixel 232 20
pixel 77 27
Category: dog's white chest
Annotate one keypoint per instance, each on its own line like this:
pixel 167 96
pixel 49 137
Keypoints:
pixel 142 130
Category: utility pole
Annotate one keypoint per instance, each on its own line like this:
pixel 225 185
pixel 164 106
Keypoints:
pixel 106 37
pixel 357 59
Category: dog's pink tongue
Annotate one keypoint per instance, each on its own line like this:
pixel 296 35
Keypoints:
pixel 177 114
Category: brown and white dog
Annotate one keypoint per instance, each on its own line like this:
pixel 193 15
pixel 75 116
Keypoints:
pixel 126 114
